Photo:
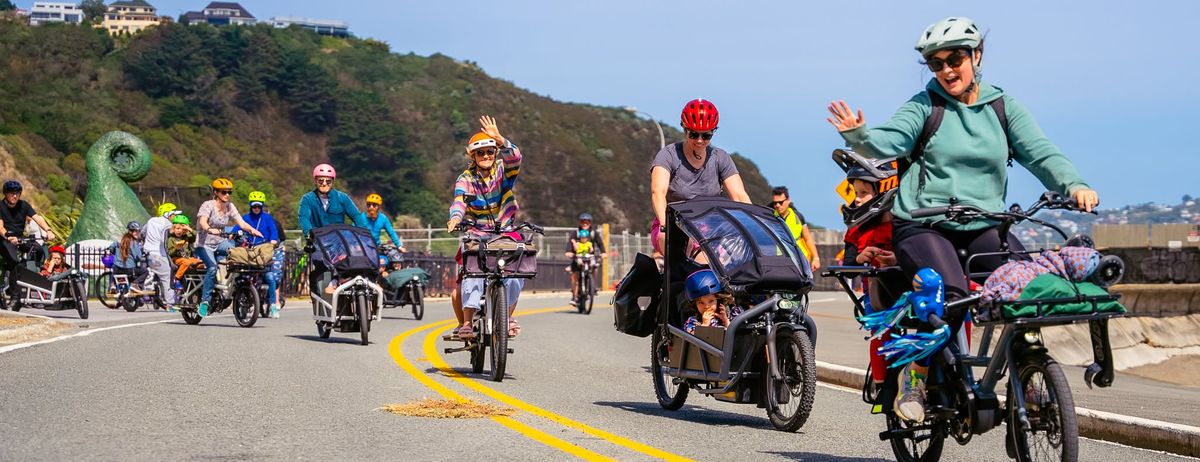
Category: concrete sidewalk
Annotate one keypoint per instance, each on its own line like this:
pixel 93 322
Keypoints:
pixel 842 348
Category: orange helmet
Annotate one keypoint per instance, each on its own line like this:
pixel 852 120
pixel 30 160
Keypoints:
pixel 480 140
pixel 374 199
pixel 222 183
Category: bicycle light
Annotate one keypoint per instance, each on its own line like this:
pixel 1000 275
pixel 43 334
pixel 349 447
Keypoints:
pixel 1033 337
pixel 500 262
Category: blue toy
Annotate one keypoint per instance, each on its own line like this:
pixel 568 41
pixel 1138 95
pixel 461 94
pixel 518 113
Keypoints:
pixel 927 297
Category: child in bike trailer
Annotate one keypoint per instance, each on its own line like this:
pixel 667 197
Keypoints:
pixel 869 237
pixel 56 266
pixel 711 306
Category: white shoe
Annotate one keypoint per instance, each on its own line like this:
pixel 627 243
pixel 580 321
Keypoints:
pixel 910 400
pixel 275 310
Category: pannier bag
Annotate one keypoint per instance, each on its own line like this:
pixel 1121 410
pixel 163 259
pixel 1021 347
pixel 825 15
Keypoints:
pixel 643 282
pixel 525 263
pixel 259 255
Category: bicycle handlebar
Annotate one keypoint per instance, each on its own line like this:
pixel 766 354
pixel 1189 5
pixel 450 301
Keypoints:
pixel 930 212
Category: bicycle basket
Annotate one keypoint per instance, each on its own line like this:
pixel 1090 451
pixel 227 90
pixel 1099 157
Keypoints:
pixel 525 263
pixel 347 249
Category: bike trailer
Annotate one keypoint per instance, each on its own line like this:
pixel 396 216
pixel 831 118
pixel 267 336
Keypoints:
pixel 401 277
pixel 347 250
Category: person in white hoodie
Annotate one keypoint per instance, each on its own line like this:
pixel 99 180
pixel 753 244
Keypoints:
pixel 154 234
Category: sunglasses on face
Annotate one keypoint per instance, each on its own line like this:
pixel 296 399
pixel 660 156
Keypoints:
pixel 224 191
pixel 485 152
pixel 324 181
pixel 699 135
pixel 372 206
pixel 955 59
pixel 777 203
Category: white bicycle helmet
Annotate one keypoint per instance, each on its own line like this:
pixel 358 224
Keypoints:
pixel 952 32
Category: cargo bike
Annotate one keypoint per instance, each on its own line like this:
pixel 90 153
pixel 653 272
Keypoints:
pixel 350 258
pixel 1036 406
pixel 765 356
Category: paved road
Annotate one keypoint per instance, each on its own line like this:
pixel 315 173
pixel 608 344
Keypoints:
pixel 276 391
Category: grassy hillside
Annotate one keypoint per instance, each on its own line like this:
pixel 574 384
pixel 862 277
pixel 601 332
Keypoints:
pixel 263 105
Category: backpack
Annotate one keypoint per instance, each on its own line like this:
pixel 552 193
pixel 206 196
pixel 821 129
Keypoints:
pixel 933 122
pixel 259 255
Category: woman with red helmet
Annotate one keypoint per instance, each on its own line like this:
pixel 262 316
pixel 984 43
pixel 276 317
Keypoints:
pixel 692 168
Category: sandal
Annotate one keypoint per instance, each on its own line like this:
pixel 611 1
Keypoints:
pixel 514 329
pixel 465 332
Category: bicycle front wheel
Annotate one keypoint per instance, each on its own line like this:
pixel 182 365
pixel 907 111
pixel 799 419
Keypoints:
pixel 104 290
pixel 245 305
pixel 498 304
pixel 1051 432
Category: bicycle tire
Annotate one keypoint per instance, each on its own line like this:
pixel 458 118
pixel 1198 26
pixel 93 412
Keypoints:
pixel 245 305
pixel 590 297
pixel 498 303
pixel 81 300
pixel 104 284
pixel 418 302
pixel 363 310
pixel 660 351
pixel 798 364
pixel 909 449
pixel 1058 415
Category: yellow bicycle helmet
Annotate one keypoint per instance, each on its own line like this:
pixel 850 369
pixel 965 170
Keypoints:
pixel 257 197
pixel 222 183
pixel 374 199
pixel 166 208
pixel 481 140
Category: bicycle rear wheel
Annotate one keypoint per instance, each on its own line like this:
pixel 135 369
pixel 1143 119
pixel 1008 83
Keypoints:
pixel 498 304
pixel 1052 433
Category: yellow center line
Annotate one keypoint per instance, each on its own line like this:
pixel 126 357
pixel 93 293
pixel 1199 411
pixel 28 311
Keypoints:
pixel 526 430
pixel 435 358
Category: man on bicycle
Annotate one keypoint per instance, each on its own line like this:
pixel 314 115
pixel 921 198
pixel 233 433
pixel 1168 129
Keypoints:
pixel 154 241
pixel 325 206
pixel 13 213
pixel 597 247
pixel 262 221
pixel 484 193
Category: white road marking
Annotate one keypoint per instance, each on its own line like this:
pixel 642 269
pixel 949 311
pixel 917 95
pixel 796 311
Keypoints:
pixel 88 332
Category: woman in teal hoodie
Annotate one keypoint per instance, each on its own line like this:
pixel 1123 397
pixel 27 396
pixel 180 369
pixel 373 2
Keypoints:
pixel 964 160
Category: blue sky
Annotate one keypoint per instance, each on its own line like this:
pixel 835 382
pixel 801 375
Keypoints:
pixel 1111 83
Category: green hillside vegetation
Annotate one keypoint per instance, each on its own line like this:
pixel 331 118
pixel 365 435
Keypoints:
pixel 263 105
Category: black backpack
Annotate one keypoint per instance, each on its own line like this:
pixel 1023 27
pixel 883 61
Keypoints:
pixel 934 121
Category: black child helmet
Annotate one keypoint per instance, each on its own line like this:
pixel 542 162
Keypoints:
pixel 881 173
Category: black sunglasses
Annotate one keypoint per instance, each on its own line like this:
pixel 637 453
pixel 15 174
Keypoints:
pixel 699 135
pixel 955 59
pixel 486 152
pixel 777 203
pixel 324 180
pixel 224 191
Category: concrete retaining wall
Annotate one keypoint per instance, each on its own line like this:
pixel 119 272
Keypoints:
pixel 1160 300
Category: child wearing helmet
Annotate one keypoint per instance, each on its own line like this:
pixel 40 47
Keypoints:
pixel 56 266
pixel 709 304
pixel 179 245
pixel 129 256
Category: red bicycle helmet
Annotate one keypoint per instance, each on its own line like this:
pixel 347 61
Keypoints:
pixel 700 115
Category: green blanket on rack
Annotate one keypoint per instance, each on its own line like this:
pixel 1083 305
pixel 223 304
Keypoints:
pixel 1050 286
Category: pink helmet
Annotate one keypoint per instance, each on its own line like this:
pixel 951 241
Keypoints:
pixel 324 170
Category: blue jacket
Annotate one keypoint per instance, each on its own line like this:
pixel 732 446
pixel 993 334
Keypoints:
pixel 378 225
pixel 315 215
pixel 135 255
pixel 265 224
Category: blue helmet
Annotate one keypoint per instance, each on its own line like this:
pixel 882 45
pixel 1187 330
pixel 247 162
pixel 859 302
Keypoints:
pixel 12 186
pixel 701 283
pixel 585 216
pixel 583 234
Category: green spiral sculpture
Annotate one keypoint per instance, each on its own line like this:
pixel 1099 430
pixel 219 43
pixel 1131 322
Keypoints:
pixel 117 158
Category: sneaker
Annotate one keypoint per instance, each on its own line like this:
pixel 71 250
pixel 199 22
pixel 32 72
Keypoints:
pixel 202 310
pixel 177 285
pixel 573 302
pixel 275 310
pixel 910 401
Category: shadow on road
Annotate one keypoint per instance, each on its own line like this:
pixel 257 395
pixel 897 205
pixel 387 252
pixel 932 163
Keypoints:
pixel 333 339
pixel 466 372
pixel 690 413
pixel 811 457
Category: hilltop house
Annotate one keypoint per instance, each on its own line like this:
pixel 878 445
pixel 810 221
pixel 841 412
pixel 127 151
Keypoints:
pixel 130 17
pixel 330 27
pixel 44 12
pixel 220 14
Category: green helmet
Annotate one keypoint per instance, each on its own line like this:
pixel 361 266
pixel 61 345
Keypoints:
pixel 257 196
pixel 166 208
pixel 180 219
pixel 952 32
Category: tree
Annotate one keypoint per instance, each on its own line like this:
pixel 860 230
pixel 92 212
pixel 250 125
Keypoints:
pixel 6 5
pixel 93 10
pixel 308 90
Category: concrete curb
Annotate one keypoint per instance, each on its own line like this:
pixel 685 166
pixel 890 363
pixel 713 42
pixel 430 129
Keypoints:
pixel 1131 431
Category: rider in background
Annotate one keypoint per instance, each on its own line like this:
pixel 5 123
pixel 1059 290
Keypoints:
pixel 154 235
pixel 265 224
pixel 580 245
pixel 484 193
pixel 13 214
pixel 379 224
pixel 213 217
pixel 692 168
pixel 964 161
pixel 585 224
pixel 324 206
pixel 129 256
pixel 781 201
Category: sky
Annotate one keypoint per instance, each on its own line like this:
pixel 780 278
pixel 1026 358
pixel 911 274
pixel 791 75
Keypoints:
pixel 1112 84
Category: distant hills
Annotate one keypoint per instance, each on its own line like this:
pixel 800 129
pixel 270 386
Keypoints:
pixel 1186 211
